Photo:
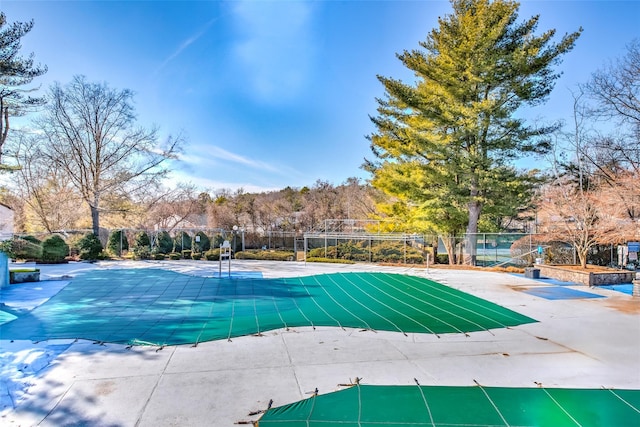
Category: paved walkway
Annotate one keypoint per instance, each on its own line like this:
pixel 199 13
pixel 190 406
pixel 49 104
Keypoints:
pixel 586 343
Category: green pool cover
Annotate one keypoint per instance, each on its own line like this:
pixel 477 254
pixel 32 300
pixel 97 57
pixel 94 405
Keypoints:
pixel 154 306
pixel 396 406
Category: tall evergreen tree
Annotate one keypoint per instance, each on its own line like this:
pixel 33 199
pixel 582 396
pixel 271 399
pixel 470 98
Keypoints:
pixel 15 72
pixel 445 144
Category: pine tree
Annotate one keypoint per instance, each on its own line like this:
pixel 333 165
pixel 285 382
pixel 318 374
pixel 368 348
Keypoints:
pixel 444 144
pixel 15 72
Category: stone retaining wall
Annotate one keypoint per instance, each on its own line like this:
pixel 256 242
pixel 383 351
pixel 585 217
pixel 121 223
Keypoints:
pixel 24 276
pixel 586 278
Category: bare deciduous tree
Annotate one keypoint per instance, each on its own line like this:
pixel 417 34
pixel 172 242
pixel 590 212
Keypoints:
pixel 587 201
pixel 616 89
pixel 50 202
pixel 92 136
pixel 171 207
pixel 577 216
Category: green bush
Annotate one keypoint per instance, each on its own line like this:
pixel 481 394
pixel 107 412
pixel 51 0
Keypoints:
pixel 26 249
pixel 203 245
pixel 186 253
pixel 196 255
pixel 331 260
pixel 265 255
pixel 164 243
pixel 212 254
pixel 142 246
pixel 442 258
pixel 115 239
pixel 54 250
pixel 217 241
pixel 320 253
pixel 141 252
pixel 175 255
pixel 353 251
pixel 394 252
pixel 90 248
pixel 316 253
pixel 32 239
pixel 142 239
pixel 182 241
pixel 155 254
pixel 415 259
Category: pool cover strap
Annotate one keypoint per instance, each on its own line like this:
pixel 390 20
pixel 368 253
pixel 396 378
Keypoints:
pixel 439 406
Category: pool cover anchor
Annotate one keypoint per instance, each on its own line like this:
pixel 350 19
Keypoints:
pixel 261 411
pixel 356 381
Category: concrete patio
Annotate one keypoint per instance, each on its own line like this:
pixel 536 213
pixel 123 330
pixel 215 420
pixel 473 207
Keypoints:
pixel 577 343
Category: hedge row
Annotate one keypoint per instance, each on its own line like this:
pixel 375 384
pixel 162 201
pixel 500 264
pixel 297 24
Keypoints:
pixel 393 252
pixel 143 248
pixel 52 250
pixel 266 255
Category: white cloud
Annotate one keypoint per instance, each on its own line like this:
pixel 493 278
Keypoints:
pixel 185 44
pixel 212 160
pixel 275 47
pixel 208 155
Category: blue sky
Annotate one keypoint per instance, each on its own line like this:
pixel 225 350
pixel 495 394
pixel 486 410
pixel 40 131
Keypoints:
pixel 277 93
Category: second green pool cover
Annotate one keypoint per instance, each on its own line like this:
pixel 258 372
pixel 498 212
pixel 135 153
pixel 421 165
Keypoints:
pixel 441 406
pixel 155 306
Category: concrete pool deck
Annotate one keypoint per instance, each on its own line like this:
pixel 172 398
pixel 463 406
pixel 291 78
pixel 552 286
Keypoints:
pixel 577 343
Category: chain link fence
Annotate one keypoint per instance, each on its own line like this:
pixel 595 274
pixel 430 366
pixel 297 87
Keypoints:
pixel 353 244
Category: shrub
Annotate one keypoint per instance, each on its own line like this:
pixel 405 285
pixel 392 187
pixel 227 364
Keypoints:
pixel 203 245
pixel 186 253
pixel 212 254
pixel 413 258
pixel 164 243
pixel 142 246
pixel 142 239
pixel 331 260
pixel 395 258
pixel 196 255
pixel 175 255
pixel 155 254
pixel 316 253
pixel 217 241
pixel 442 258
pixel 141 252
pixel 351 250
pixel 265 255
pixel 32 239
pixel 319 252
pixel 182 241
pixel 74 245
pixel 54 250
pixel 394 252
pixel 89 247
pixel 116 239
pixel 26 249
